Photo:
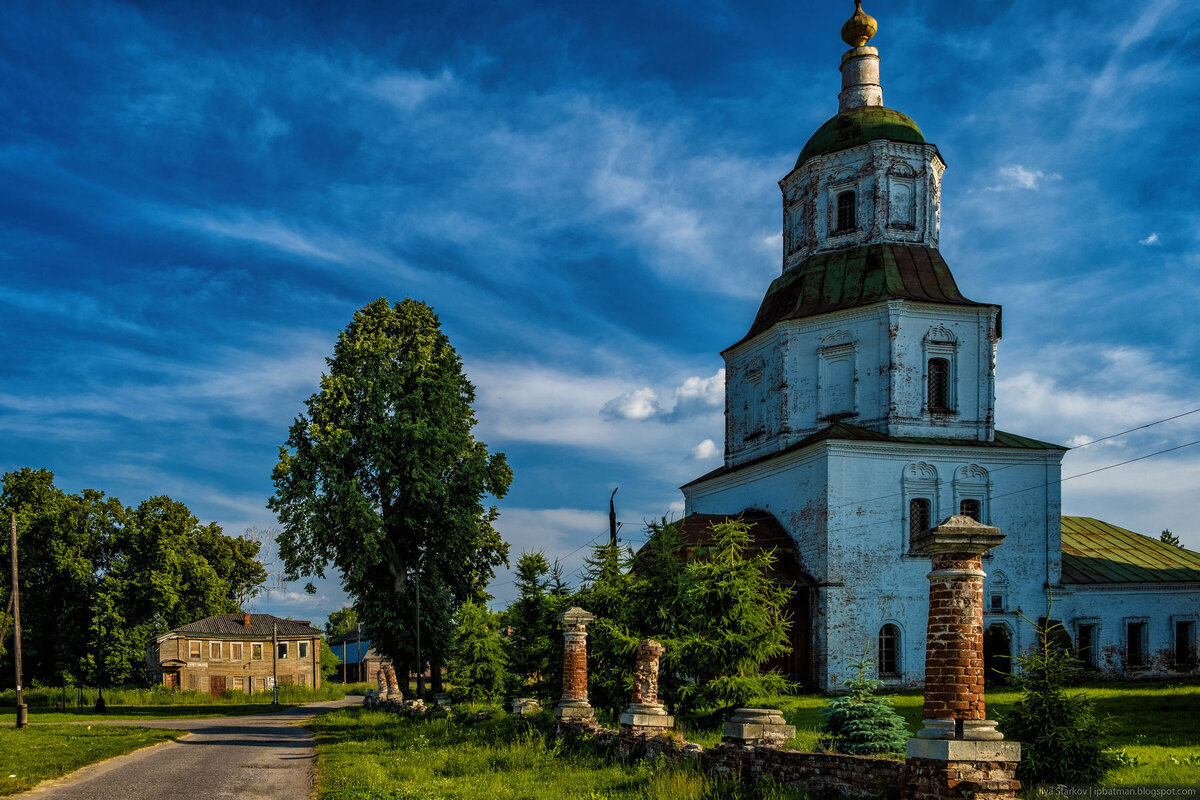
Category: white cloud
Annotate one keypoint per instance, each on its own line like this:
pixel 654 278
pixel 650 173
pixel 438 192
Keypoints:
pixel 675 509
pixel 1150 240
pixel 638 404
pixel 706 449
pixel 407 90
pixel 1018 177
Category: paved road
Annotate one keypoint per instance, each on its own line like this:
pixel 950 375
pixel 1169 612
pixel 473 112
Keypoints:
pixel 260 757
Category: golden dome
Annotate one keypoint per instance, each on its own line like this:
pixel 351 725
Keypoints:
pixel 859 29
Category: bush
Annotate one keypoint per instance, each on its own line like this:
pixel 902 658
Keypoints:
pixel 861 722
pixel 1061 736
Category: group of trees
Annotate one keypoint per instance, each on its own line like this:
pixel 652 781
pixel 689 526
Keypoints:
pixel 100 579
pixel 719 617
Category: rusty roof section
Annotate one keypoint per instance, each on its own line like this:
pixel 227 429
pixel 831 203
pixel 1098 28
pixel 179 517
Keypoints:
pixel 856 277
pixel 766 534
pixel 260 627
pixel 1094 551
pixel 846 432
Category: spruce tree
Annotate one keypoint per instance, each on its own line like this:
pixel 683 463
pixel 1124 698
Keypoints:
pixel 477 663
pixel 530 638
pixel 862 722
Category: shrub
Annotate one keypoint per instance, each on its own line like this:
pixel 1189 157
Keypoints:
pixel 1061 736
pixel 861 722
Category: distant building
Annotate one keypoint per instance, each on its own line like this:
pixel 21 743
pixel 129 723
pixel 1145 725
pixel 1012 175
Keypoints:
pixel 860 411
pixel 359 660
pixel 239 652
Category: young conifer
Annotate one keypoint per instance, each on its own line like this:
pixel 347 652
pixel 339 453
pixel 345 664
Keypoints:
pixel 861 722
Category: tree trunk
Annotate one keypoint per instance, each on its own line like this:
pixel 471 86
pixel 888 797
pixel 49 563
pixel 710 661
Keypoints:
pixel 435 672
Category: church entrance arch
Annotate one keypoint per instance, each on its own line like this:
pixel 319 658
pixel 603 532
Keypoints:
pixel 997 654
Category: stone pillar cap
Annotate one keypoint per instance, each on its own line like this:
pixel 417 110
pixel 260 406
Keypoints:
pixel 575 616
pixel 958 534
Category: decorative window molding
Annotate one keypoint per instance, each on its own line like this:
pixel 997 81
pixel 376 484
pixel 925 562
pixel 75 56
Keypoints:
pixel 973 485
pixel 919 481
pixel 837 376
pixel 940 378
pixel 902 197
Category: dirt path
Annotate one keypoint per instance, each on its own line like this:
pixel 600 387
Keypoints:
pixel 260 757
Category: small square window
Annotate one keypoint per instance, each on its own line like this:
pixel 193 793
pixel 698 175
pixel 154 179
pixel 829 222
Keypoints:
pixel 282 652
pixel 214 650
pixel 997 603
pixel 256 652
pixel 194 649
pixel 239 684
pixel 302 651
pixel 969 508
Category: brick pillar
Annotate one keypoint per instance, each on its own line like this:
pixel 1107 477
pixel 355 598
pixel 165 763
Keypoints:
pixel 959 752
pixel 645 713
pixel 574 702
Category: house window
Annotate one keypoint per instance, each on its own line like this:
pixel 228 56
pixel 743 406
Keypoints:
pixel 996 602
pixel 969 508
pixel 282 652
pixel 302 650
pixel 1185 644
pixel 889 651
pixel 193 682
pixel 194 649
pixel 235 651
pixel 846 221
pixel 214 650
pixel 256 651
pixel 1135 644
pixel 1085 645
pixel 939 385
pixel 918 517
pixel 239 684
pixel 303 679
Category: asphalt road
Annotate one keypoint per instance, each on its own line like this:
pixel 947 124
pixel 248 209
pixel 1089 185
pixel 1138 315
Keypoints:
pixel 261 757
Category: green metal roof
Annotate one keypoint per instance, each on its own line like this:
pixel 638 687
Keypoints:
pixel 845 432
pixel 860 276
pixel 1097 552
pixel 859 126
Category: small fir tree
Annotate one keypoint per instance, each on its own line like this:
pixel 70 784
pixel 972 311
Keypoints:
pixel 477 664
pixel 861 722
pixel 1060 734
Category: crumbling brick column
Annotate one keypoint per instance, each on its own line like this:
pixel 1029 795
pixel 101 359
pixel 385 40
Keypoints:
pixel 959 752
pixel 381 679
pixel 574 703
pixel 645 714
pixel 393 685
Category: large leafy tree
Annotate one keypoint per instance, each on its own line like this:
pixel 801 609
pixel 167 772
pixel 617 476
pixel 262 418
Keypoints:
pixel 107 578
pixel 382 478
pixel 344 620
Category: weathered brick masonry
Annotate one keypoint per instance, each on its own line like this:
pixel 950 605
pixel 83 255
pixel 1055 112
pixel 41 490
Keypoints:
pixel 574 702
pixel 954 640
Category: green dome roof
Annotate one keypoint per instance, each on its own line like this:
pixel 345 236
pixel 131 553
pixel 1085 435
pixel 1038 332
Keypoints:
pixel 859 126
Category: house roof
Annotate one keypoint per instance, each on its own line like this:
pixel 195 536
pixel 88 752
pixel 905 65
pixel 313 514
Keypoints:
pixel 1094 551
pixel 844 431
pixel 856 277
pixel 260 626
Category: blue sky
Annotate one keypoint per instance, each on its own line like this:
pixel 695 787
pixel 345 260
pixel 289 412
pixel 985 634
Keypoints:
pixel 198 197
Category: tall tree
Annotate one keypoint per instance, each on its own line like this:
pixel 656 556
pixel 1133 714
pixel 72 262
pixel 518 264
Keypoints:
pixel 477 656
pixel 344 620
pixel 382 478
pixel 531 636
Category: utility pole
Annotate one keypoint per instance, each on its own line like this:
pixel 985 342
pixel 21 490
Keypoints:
pixel 420 666
pixel 22 709
pixel 612 519
pixel 357 656
pixel 275 662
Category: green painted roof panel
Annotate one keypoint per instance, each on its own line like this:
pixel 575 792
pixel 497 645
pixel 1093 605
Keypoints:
pixel 859 126
pixel 1095 551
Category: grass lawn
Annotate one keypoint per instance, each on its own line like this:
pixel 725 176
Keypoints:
pixel 37 753
pixel 373 755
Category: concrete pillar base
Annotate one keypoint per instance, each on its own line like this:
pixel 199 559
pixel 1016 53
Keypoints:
pixel 647 716
pixel 574 710
pixel 972 730
pixel 750 726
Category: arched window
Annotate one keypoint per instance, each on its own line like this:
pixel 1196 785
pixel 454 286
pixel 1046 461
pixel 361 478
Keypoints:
pixel 918 517
pixel 889 651
pixel 939 384
pixel 845 213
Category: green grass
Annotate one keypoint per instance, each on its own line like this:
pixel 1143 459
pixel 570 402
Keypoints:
pixel 372 755
pixel 35 754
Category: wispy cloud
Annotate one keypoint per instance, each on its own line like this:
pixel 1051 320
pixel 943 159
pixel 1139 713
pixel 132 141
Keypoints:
pixel 1016 176
pixel 1150 240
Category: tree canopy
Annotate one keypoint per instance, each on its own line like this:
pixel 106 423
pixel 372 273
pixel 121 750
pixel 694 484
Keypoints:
pixel 343 620
pixel 382 478
pixel 107 578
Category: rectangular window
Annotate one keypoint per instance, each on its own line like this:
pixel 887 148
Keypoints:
pixel 939 384
pixel 303 650
pixel 889 656
pixel 193 681
pixel 997 603
pixel 235 651
pixel 303 679
pixel 918 517
pixel 214 650
pixel 256 651
pixel 1135 644
pixel 846 213
pixel 194 649
pixel 1085 645
pixel 970 508
pixel 1185 644
pixel 239 684
pixel 282 653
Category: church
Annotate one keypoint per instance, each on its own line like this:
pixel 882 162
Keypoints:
pixel 859 411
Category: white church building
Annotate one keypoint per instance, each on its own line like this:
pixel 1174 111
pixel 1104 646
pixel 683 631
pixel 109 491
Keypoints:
pixel 859 411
